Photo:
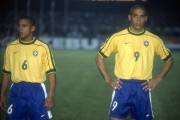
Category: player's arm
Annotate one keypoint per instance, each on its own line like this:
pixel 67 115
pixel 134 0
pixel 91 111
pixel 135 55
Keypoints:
pixel 103 70
pixel 165 55
pixel 165 69
pixel 51 93
pixel 4 84
pixel 51 74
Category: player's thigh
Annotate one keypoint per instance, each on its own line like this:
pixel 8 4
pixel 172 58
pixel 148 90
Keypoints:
pixel 119 107
pixel 142 107
pixel 16 108
pixel 37 108
pixel 111 118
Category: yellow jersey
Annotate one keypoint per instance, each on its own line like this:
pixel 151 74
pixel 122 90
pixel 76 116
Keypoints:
pixel 28 61
pixel 134 53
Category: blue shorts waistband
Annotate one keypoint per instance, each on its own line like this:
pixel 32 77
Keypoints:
pixel 133 81
pixel 30 83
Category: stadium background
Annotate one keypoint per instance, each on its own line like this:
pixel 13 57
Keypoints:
pixel 75 29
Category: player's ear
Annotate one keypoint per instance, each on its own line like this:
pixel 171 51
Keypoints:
pixel 33 28
pixel 129 17
pixel 146 18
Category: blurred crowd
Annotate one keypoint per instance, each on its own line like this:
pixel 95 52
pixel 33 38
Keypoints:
pixel 91 24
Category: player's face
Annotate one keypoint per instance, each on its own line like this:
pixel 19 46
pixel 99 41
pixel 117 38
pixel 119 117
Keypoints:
pixel 137 20
pixel 25 29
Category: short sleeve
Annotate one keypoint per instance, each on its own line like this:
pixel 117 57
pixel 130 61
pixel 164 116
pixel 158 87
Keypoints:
pixel 109 47
pixel 49 60
pixel 162 51
pixel 6 66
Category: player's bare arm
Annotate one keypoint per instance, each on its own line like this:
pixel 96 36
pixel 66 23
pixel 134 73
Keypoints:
pixel 4 85
pixel 151 84
pixel 103 70
pixel 52 85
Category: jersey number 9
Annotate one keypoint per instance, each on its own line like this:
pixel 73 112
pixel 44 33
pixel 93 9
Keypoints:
pixel 136 55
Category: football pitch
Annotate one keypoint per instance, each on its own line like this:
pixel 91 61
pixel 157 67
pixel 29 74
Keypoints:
pixel 82 94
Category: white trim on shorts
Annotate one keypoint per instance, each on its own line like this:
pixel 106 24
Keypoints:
pixel 151 103
pixel 150 99
pixel 11 85
pixel 112 98
pixel 45 93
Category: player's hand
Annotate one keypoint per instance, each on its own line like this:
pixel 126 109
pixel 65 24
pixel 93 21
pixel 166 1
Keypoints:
pixel 151 84
pixel 115 84
pixel 3 103
pixel 49 102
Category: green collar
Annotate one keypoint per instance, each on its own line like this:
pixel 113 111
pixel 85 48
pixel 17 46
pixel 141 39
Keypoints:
pixel 135 33
pixel 27 43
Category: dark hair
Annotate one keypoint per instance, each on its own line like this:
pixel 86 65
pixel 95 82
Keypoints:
pixel 138 7
pixel 29 18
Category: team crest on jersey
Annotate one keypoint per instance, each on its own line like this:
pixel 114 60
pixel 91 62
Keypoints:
pixel 35 53
pixel 146 43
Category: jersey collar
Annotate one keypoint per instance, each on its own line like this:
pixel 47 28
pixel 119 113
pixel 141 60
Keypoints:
pixel 27 43
pixel 135 33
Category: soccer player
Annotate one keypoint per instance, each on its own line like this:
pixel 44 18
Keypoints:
pixel 135 49
pixel 27 61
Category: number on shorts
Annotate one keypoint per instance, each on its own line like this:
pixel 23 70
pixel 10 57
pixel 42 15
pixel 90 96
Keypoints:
pixel 114 105
pixel 9 111
pixel 136 55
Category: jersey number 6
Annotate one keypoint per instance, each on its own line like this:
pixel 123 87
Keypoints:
pixel 24 65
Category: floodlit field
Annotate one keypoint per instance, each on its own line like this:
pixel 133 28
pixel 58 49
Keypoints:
pixel 81 93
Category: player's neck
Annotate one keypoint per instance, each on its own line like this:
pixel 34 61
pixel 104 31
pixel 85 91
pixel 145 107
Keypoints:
pixel 27 39
pixel 136 30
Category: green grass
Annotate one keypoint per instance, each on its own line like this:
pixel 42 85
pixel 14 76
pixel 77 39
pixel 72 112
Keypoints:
pixel 1 65
pixel 80 88
pixel 81 93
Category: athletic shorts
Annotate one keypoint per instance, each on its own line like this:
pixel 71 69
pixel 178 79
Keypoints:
pixel 132 101
pixel 27 101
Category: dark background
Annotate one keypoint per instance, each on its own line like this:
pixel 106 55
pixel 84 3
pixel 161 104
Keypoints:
pixel 85 5
pixel 86 18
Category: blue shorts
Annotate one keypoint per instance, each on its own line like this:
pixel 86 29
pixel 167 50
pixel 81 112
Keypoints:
pixel 132 101
pixel 27 101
